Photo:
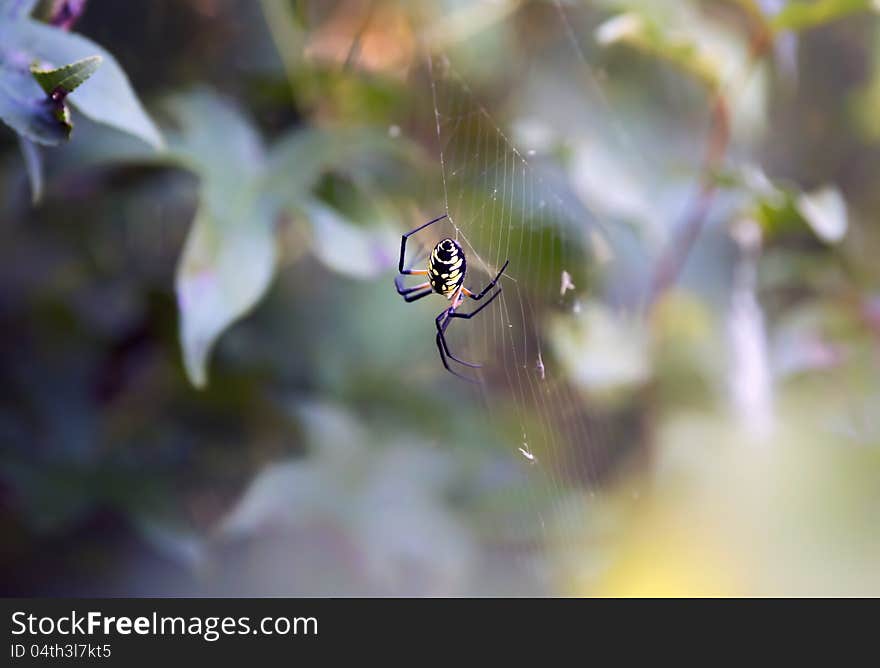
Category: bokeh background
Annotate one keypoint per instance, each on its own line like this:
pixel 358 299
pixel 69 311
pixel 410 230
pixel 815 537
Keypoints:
pixel 289 430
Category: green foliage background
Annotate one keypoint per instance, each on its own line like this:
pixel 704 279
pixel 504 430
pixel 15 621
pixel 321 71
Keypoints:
pixel 210 387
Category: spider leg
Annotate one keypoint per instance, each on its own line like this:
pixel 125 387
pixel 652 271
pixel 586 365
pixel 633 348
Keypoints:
pixel 491 285
pixel 407 236
pixel 440 344
pixel 445 318
pixel 401 290
pixel 468 316
pixel 413 298
pixel 441 338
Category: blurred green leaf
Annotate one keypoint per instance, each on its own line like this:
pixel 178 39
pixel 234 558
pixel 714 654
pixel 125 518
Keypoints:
pixel 643 33
pixel 67 78
pixel 391 501
pixel 214 139
pixel 777 215
pixel 824 210
pixel 800 15
pixel 346 248
pixel 298 159
pixel 229 256
pixel 781 209
pixel 226 267
pixel 602 352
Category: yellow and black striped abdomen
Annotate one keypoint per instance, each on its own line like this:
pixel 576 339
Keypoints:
pixel 446 268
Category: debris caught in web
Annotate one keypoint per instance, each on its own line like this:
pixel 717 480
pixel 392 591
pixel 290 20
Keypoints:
pixel 565 284
pixel 528 453
pixel 525 450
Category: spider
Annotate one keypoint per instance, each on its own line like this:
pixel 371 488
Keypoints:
pixel 446 271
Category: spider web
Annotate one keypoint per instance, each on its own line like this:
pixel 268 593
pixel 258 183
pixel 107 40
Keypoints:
pixel 504 202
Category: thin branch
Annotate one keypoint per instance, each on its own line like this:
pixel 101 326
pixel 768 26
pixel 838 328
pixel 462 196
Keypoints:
pixel 672 261
pixel 354 50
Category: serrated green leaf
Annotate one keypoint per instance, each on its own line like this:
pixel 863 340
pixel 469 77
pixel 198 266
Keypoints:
pixel 108 99
pixel 25 108
pixel 68 78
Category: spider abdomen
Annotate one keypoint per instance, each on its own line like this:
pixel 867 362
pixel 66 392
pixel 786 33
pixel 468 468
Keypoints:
pixel 447 267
